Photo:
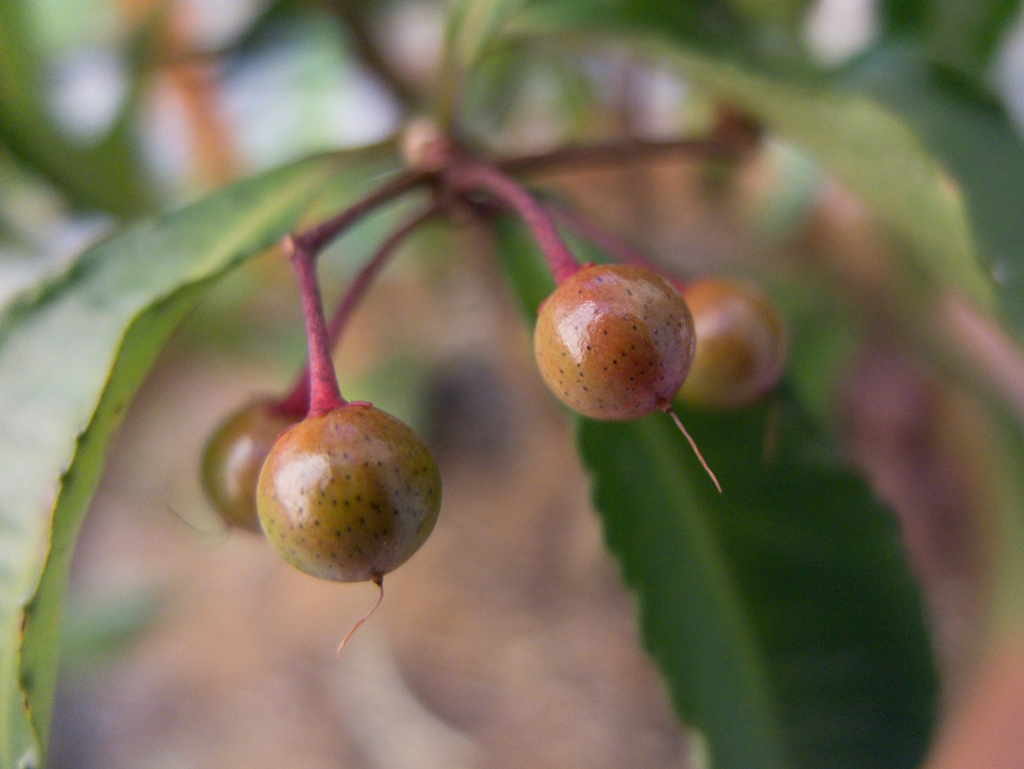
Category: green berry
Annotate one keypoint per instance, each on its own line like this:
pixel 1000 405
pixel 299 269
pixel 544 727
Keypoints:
pixel 349 495
pixel 614 341
pixel 233 457
pixel 741 344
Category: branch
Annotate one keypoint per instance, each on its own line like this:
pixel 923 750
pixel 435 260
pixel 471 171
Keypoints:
pixel 620 153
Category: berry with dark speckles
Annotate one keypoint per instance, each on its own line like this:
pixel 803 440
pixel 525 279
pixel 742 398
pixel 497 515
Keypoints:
pixel 350 495
pixel 614 341
pixel 233 457
pixel 741 344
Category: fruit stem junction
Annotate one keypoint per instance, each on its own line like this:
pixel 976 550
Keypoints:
pixel 298 400
pixel 466 176
pixel 324 393
pixel 611 243
pixel 313 240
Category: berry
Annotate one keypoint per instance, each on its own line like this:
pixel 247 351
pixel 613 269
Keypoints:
pixel 614 341
pixel 349 495
pixel 233 457
pixel 741 344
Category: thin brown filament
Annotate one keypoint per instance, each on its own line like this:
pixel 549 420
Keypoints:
pixel 203 533
pixel 693 446
pixel 379 581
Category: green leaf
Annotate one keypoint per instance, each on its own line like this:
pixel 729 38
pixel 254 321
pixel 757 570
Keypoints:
pixel 471 27
pixel 72 354
pixel 692 617
pixel 903 17
pixel 105 175
pixel 962 36
pixel 497 96
pixel 780 611
pixel 712 26
pixel 875 154
pixel 472 24
pixel 824 337
pixel 770 15
pixel 766 35
pixel 976 141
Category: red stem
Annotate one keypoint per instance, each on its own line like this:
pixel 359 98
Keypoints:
pixel 465 176
pixel 619 153
pixel 324 393
pixel 297 401
pixel 610 243
pixel 462 177
pixel 314 239
pixel 368 274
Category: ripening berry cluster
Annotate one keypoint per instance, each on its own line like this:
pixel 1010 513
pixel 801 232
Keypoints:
pixel 347 492
pixel 352 494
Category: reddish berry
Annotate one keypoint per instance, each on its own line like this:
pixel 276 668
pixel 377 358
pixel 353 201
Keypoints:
pixel 741 344
pixel 614 341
